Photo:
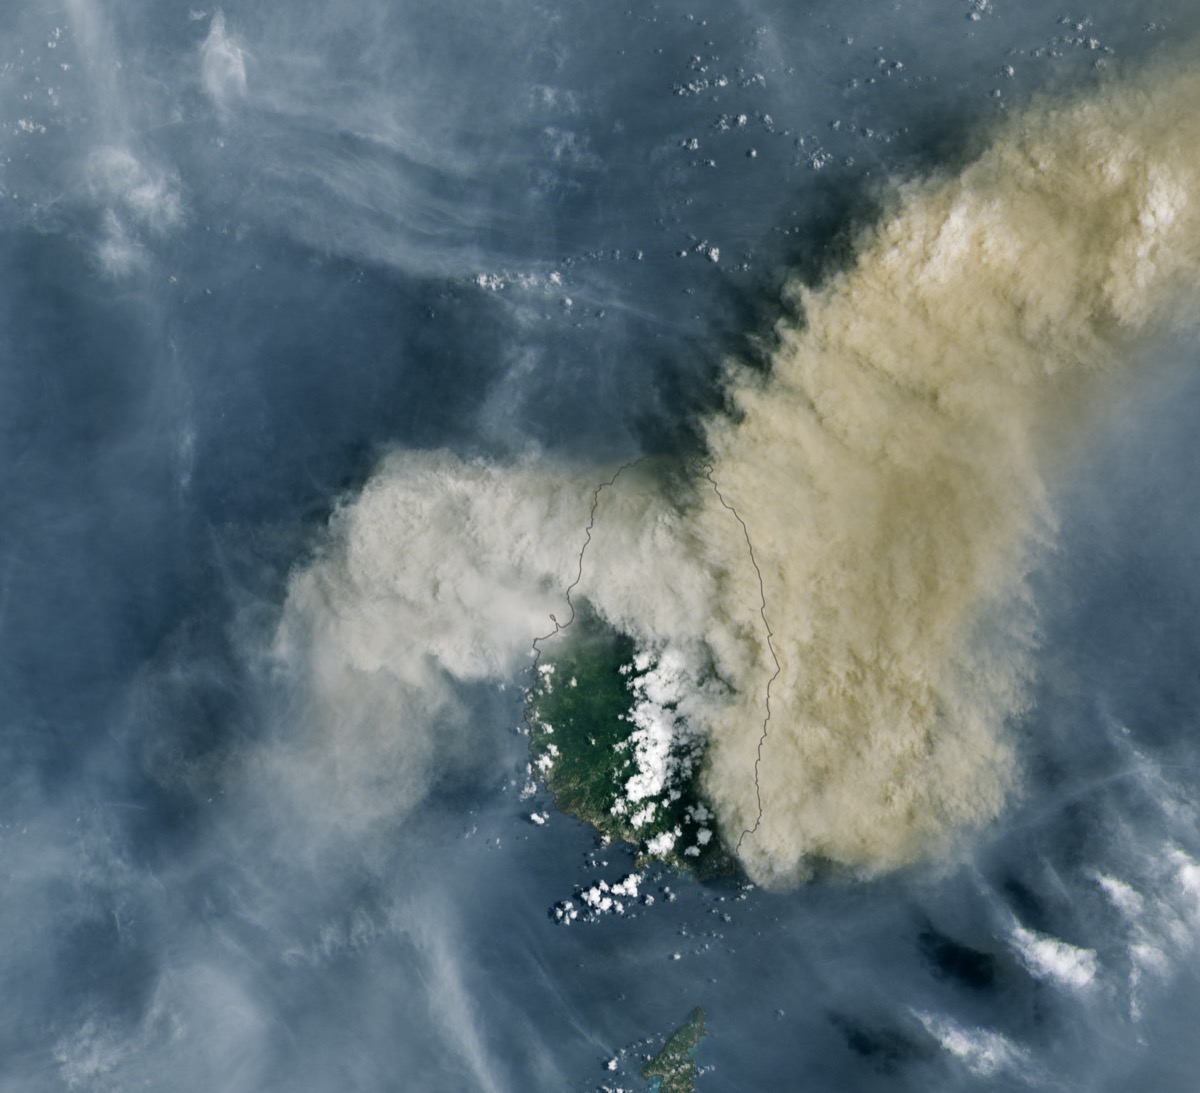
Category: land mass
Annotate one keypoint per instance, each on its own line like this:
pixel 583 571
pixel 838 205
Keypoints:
pixel 674 1070
pixel 601 747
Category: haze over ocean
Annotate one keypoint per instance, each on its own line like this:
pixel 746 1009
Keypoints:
pixel 321 324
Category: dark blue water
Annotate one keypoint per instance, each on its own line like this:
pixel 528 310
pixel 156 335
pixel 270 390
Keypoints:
pixel 245 253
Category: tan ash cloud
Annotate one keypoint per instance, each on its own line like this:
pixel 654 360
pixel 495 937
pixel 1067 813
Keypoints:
pixel 438 574
pixel 892 468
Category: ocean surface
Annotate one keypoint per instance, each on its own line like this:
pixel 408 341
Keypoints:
pixel 302 306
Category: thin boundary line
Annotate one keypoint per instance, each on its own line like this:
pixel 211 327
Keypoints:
pixel 762 594
pixel 559 627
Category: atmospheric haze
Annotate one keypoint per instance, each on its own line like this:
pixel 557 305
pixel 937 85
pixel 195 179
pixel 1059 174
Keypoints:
pixel 891 467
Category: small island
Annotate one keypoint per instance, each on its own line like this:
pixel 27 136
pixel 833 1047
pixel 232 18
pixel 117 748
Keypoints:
pixel 674 1070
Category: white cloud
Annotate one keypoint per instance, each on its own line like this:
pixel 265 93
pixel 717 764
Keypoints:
pixel 983 1051
pixel 1051 959
pixel 222 64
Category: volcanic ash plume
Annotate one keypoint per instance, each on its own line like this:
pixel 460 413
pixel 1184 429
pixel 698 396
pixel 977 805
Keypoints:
pixel 891 468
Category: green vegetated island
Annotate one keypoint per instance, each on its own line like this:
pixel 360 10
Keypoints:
pixel 607 739
pixel 674 1070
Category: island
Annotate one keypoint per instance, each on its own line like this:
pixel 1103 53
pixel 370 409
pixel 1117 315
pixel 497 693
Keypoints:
pixel 608 741
pixel 674 1070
